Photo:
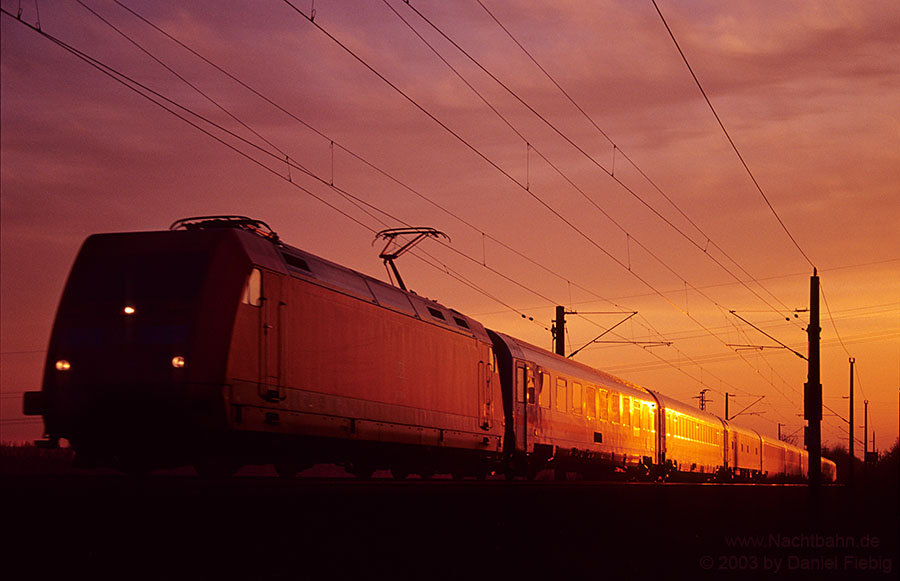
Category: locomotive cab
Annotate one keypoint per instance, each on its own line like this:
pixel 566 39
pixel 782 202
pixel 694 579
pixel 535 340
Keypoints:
pixel 135 366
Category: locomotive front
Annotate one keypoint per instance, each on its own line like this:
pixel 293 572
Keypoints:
pixel 135 367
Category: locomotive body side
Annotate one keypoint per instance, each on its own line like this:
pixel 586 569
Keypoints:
pixel 336 367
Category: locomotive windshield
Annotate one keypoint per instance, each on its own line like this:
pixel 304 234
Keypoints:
pixel 160 287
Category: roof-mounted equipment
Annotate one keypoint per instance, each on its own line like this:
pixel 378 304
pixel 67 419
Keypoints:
pixel 391 235
pixel 257 227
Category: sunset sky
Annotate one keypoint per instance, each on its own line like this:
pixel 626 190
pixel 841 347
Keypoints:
pixel 588 172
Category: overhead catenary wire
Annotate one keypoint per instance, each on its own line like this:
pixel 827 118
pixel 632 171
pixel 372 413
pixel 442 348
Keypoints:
pixel 351 152
pixel 245 155
pixel 609 172
pixel 332 143
pixel 155 97
pixel 728 136
pixel 343 192
pixel 357 201
pixel 571 183
pixel 493 164
pixel 152 96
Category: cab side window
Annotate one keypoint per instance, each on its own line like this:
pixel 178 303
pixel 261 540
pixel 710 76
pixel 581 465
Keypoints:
pixel 253 289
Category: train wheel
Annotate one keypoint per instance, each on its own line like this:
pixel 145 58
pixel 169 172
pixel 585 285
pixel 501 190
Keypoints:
pixel 361 471
pixel 399 473
pixel 133 467
pixel 287 469
pixel 215 468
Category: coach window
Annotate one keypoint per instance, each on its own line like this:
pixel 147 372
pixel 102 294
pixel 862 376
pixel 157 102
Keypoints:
pixel 577 402
pixel 590 402
pixel 603 404
pixel 529 385
pixel 561 396
pixel 626 411
pixel 253 289
pixel 546 388
pixel 520 384
pixel 614 409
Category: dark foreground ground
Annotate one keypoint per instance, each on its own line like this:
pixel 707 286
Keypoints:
pixel 182 527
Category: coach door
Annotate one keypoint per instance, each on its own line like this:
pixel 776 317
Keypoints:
pixel 272 338
pixel 485 374
pixel 523 377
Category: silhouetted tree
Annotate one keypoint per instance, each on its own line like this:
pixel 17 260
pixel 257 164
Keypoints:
pixel 841 457
pixel 887 470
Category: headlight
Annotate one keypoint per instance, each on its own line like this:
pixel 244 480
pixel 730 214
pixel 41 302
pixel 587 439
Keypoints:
pixel 178 362
pixel 129 310
pixel 63 365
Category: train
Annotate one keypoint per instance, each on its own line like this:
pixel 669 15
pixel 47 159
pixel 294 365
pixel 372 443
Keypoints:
pixel 216 345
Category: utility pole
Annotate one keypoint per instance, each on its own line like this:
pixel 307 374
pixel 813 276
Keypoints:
pixel 850 469
pixel 866 434
pixel 702 398
pixel 812 395
pixel 559 331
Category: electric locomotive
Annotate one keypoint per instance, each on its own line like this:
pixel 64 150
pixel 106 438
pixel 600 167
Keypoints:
pixel 214 344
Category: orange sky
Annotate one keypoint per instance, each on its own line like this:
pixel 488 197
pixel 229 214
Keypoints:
pixel 808 92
